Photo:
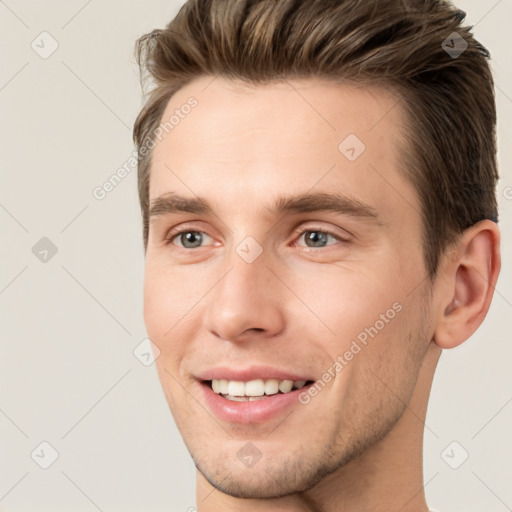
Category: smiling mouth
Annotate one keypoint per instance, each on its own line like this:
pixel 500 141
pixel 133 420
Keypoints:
pixel 258 389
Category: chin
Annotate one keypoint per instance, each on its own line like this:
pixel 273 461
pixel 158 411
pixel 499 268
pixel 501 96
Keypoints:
pixel 252 486
pixel 272 479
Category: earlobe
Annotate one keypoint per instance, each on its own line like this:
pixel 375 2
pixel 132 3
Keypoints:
pixel 471 278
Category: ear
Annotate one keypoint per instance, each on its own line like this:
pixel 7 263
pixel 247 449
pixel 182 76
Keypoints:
pixel 470 276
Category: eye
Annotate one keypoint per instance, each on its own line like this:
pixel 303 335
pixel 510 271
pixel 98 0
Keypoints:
pixel 193 239
pixel 188 239
pixel 315 238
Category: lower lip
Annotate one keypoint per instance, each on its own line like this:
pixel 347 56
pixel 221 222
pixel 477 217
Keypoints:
pixel 256 411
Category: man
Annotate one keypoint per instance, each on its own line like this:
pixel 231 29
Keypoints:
pixel 317 182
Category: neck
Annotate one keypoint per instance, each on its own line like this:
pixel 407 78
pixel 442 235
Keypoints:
pixel 389 476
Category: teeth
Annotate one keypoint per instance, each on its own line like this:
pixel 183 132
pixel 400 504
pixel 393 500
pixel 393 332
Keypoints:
pixel 271 387
pixel 254 389
pixel 223 386
pixel 236 388
pixel 243 398
pixel 285 386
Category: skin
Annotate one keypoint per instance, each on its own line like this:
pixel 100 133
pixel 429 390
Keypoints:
pixel 357 445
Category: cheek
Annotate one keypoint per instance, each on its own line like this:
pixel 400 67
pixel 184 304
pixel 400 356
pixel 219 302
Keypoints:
pixel 344 302
pixel 155 306
pixel 163 292
pixel 170 314
pixel 161 307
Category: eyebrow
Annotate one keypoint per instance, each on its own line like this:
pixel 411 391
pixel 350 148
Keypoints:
pixel 300 203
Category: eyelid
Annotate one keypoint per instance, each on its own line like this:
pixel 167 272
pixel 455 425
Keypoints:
pixel 339 233
pixel 185 226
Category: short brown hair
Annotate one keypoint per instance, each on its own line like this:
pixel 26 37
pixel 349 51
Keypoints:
pixel 448 100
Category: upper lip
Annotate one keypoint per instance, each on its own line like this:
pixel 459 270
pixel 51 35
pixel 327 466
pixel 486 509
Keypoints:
pixel 251 373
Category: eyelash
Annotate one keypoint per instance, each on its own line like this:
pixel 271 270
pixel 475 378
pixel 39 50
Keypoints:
pixel 297 234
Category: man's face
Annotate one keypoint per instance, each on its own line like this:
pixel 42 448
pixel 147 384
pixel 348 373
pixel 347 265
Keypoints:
pixel 250 285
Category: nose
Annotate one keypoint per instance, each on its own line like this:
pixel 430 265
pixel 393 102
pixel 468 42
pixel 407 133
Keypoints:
pixel 246 303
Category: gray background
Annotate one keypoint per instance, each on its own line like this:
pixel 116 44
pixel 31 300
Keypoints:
pixel 69 325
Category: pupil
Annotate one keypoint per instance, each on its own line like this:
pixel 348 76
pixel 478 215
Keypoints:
pixel 317 238
pixel 194 237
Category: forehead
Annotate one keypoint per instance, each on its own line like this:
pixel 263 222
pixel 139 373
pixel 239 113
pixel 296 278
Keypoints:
pixel 250 142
